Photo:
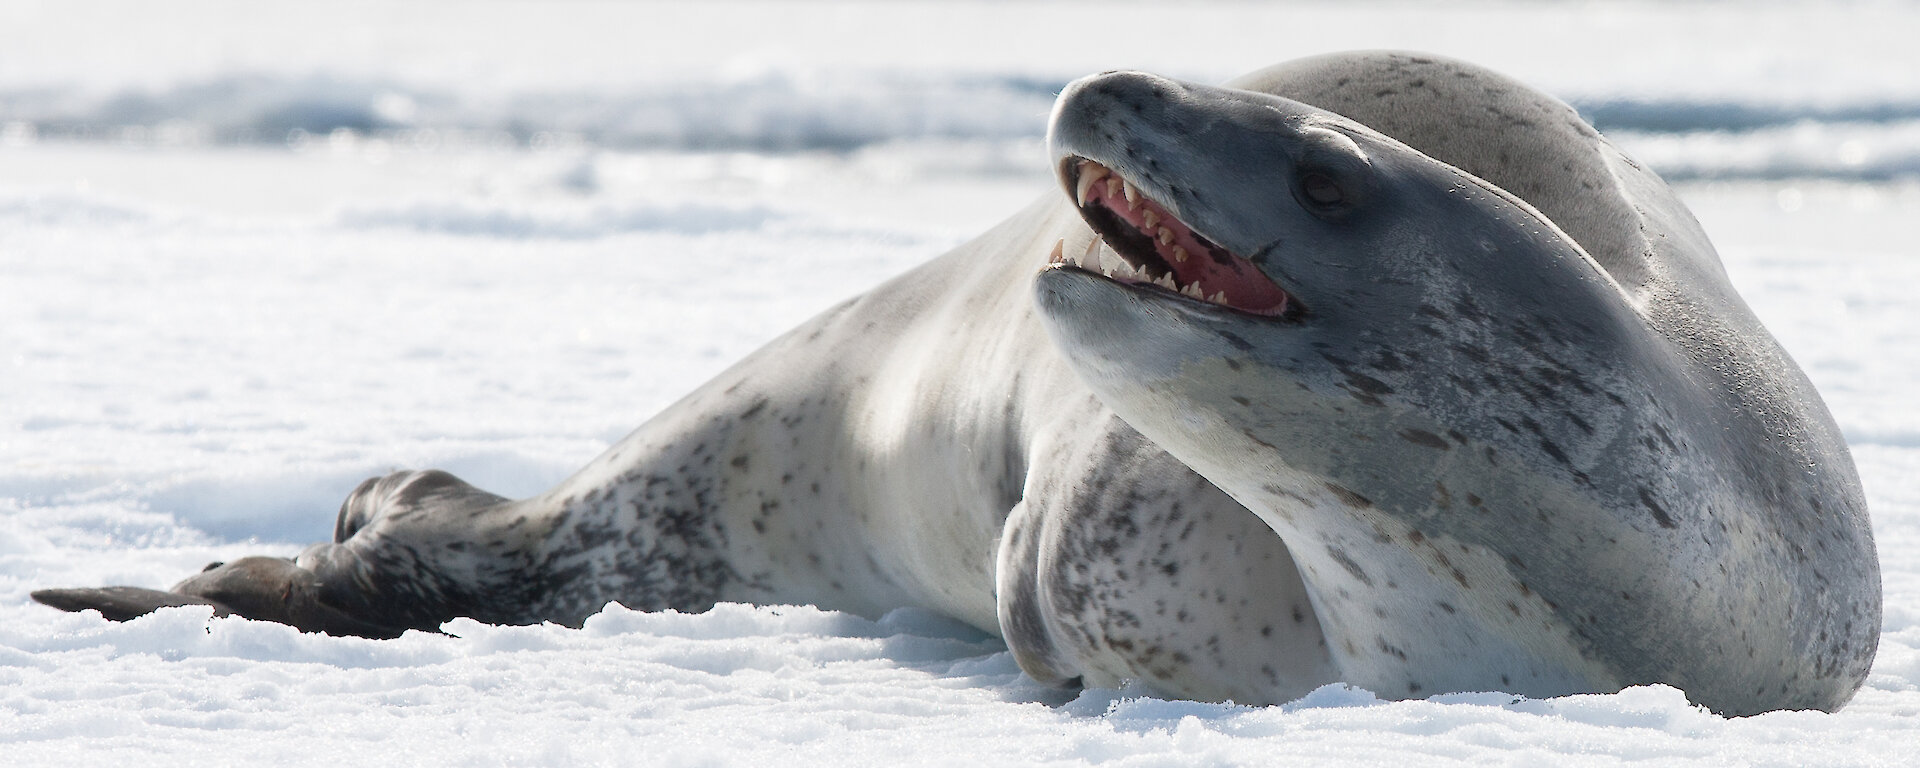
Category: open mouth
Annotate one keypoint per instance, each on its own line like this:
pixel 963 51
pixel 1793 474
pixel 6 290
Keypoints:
pixel 1141 243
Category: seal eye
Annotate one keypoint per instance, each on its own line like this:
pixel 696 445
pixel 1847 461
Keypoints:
pixel 1321 190
pixel 1332 175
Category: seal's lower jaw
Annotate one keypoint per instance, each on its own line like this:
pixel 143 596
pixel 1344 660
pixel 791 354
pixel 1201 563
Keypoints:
pixel 1140 243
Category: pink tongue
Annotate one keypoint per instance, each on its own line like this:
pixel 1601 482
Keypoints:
pixel 1211 267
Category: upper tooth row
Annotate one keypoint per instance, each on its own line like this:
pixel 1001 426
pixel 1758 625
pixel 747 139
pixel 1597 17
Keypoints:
pixel 1117 187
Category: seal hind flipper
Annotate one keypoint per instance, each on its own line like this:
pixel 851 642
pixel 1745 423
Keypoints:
pixel 279 590
pixel 388 570
pixel 265 588
pixel 120 603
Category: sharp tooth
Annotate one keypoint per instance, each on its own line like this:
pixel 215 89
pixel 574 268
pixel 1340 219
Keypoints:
pixel 1166 238
pixel 1113 187
pixel 1179 253
pixel 1133 195
pixel 1150 219
pixel 1059 255
pixel 1166 281
pixel 1193 289
pixel 1084 186
pixel 1109 261
pixel 1218 297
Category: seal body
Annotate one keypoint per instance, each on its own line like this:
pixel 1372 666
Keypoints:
pixel 1290 402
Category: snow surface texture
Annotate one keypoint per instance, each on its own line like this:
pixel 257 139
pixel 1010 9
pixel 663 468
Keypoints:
pixel 251 254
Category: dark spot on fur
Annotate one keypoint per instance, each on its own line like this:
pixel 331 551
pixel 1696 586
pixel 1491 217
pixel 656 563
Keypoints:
pixel 1368 384
pixel 1237 342
pixel 1340 556
pixel 1258 441
pixel 753 410
pixel 1659 513
pixel 1349 497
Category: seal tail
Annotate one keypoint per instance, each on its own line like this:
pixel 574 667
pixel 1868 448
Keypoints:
pixel 374 580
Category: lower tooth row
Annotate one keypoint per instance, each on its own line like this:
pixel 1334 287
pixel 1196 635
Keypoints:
pixel 1111 264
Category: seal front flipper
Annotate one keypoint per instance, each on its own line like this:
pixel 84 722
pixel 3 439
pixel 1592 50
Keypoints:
pixel 1121 563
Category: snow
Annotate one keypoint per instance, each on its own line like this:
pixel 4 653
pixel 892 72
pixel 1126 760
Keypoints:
pixel 251 254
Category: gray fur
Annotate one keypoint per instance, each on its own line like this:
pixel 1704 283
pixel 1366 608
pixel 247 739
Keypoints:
pixel 1589 470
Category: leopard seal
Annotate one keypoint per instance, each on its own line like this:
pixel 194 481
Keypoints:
pixel 1425 388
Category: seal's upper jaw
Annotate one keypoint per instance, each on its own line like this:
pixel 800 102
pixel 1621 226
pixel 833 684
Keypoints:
pixel 1140 242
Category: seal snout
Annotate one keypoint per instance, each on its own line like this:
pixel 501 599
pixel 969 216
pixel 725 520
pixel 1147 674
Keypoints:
pixel 1140 242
